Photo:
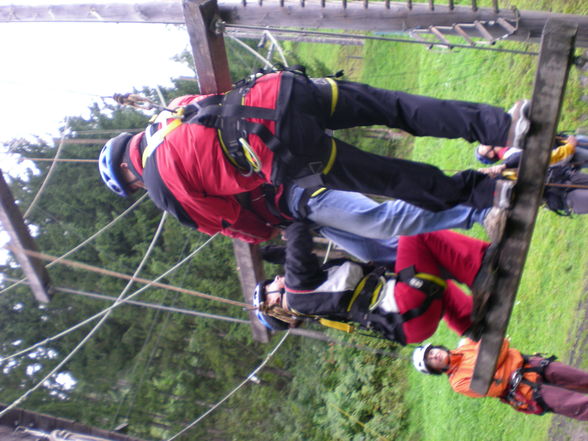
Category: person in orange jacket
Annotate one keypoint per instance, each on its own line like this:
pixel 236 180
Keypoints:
pixel 530 384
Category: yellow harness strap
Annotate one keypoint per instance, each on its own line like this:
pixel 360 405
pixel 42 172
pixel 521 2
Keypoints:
pixel 334 94
pixel 345 327
pixel 432 278
pixel 359 288
pixel 158 137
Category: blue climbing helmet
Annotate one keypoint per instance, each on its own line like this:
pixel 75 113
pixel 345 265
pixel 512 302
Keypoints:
pixel 483 159
pixel 111 156
pixel 268 321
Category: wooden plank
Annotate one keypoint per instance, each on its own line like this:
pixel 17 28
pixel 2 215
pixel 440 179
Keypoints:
pixel 549 87
pixel 20 238
pixel 212 67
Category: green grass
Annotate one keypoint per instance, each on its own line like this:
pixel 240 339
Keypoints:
pixel 545 315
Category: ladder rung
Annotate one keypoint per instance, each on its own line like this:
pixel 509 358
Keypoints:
pixel 483 31
pixel 505 25
pixel 439 35
pixel 464 34
pixel 417 37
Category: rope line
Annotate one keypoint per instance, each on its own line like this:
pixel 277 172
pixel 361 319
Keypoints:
pixel 110 308
pixel 93 161
pixel 91 238
pixel 230 394
pixel 95 269
pixel 93 330
pixel 149 305
pixel 49 173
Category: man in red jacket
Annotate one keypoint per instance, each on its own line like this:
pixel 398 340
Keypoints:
pixel 202 163
pixel 530 384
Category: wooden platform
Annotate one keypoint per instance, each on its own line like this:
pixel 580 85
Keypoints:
pixel 493 314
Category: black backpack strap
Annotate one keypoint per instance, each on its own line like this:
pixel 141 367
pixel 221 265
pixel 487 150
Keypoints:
pixel 432 286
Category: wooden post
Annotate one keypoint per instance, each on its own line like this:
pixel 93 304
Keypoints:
pixel 250 269
pixel 212 67
pixel 550 81
pixel 20 237
pixel 208 47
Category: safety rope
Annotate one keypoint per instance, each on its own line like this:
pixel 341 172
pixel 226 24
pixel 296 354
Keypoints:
pixel 89 239
pixel 90 334
pixel 49 173
pixel 105 311
pixel 230 394
pixel 93 161
pixel 147 305
pixel 97 270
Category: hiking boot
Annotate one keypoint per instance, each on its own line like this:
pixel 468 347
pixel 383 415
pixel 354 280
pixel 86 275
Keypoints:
pixel 519 125
pixel 503 193
pixel 495 222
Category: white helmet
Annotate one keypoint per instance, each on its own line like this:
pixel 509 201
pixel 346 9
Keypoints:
pixel 419 357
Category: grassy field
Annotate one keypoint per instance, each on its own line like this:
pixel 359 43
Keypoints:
pixel 546 317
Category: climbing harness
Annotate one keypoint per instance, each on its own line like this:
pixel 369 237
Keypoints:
pixel 368 295
pixel 513 396
pixel 233 120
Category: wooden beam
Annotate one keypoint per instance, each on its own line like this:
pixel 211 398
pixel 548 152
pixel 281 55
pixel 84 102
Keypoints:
pixel 379 17
pixel 250 269
pixel 208 47
pixel 554 63
pixel 46 424
pixel 20 237
pixel 212 67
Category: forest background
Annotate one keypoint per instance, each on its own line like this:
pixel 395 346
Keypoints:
pixel 157 371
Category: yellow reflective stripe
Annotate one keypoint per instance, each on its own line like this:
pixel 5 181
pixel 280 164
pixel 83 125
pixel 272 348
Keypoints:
pixel 158 138
pixel 319 191
pixel 437 280
pixel 334 94
pixel 331 161
pixel 345 327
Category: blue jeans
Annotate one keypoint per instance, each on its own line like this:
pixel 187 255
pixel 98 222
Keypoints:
pixel 369 230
